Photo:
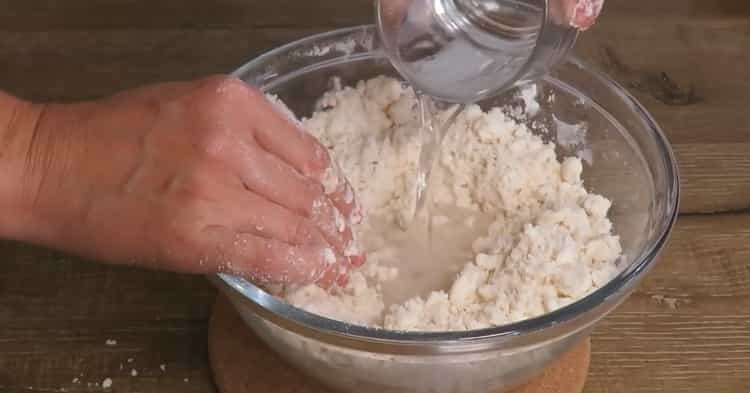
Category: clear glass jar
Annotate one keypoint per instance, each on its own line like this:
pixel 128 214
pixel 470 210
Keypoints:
pixel 460 51
pixel 634 167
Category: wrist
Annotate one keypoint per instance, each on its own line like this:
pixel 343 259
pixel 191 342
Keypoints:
pixel 16 117
pixel 19 123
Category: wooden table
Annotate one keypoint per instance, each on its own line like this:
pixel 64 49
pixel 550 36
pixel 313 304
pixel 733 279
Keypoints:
pixel 687 329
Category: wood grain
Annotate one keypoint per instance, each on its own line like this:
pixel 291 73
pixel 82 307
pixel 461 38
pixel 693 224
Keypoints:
pixel 48 15
pixel 661 63
pixel 58 312
pixel 685 330
pixel 74 65
pixel 706 54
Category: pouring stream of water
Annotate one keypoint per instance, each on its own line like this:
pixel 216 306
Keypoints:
pixel 432 133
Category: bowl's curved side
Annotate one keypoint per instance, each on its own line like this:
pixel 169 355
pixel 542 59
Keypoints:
pixel 342 354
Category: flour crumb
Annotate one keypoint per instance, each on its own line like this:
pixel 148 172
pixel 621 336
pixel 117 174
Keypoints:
pixel 133 373
pixel 539 239
pixel 670 302
pixel 570 136
pixel 75 380
pixel 130 360
pixel 107 383
pixel 110 342
pixel 163 367
pixel 331 179
pixel 528 94
pixel 328 256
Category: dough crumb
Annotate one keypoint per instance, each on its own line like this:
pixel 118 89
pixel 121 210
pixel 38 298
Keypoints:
pixel 529 237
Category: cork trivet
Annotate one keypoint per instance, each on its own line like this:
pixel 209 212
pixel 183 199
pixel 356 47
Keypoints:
pixel 241 363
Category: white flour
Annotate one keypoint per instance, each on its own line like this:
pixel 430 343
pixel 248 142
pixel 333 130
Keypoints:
pixel 515 236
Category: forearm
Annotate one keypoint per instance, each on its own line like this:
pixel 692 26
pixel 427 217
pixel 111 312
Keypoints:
pixel 18 119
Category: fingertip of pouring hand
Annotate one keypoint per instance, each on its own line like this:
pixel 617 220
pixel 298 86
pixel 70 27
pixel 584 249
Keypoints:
pixel 357 260
pixel 585 13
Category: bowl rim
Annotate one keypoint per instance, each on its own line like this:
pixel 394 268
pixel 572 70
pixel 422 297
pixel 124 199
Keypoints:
pixel 277 310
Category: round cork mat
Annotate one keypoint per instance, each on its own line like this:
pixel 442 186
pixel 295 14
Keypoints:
pixel 241 363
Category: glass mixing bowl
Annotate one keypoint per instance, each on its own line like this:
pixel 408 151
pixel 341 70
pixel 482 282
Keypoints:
pixel 627 159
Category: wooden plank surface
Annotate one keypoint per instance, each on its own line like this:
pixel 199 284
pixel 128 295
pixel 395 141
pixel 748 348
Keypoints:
pixel 46 15
pixel 685 330
pixel 165 14
pixel 662 62
pixel 706 54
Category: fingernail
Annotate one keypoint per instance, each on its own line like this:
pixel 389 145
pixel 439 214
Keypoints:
pixel 342 280
pixel 325 281
pixel 585 13
pixel 357 260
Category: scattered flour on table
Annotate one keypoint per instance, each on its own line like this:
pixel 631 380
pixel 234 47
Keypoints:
pixel 517 235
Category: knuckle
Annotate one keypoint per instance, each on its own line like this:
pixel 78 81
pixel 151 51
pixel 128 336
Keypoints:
pixel 318 161
pixel 224 85
pixel 303 232
pixel 213 140
pixel 217 94
pixel 220 104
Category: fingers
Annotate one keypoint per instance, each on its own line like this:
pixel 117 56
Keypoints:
pixel 276 133
pixel 293 205
pixel 585 13
pixel 249 115
pixel 226 228
pixel 338 275
pixel 268 261
pixel 580 14
pixel 253 214
pixel 267 175
pixel 392 12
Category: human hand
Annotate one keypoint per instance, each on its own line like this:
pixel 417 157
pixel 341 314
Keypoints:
pixel 580 14
pixel 198 177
